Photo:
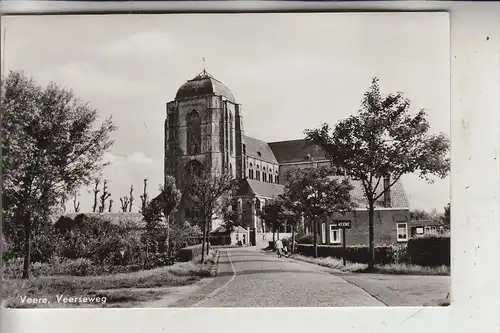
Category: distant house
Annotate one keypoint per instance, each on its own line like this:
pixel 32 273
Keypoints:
pixel 222 236
pixel 391 218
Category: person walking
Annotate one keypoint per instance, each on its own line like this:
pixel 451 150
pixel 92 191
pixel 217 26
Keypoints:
pixel 279 247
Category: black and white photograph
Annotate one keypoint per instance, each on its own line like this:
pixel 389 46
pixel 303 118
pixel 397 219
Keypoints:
pixel 226 160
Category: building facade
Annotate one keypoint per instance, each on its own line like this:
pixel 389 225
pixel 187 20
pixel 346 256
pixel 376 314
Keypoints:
pixel 204 129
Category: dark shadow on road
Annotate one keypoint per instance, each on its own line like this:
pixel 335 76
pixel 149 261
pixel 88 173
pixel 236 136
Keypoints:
pixel 269 271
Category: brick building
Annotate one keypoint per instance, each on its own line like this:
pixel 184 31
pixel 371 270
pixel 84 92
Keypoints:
pixel 204 129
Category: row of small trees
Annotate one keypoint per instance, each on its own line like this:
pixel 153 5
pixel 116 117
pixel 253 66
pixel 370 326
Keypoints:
pixel 104 201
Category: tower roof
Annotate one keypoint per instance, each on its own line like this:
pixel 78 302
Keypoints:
pixel 204 84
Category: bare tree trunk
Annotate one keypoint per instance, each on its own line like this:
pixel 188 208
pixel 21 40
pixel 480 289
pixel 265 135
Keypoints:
pixel 27 245
pixel 208 237
pixel 203 242
pixel 167 245
pixel 315 236
pixel 274 234
pixel 371 213
pixel 293 238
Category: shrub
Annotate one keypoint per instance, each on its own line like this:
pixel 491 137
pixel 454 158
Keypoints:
pixel 429 251
pixel 400 253
pixel 357 254
pixel 305 239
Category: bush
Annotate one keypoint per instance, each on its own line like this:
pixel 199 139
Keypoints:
pixel 57 266
pixel 357 254
pixel 429 251
pixel 305 239
pixel 189 253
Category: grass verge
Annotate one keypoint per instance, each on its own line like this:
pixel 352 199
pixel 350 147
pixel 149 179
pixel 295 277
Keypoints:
pixel 402 269
pixel 50 287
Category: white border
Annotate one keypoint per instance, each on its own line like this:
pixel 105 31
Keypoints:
pixel 475 209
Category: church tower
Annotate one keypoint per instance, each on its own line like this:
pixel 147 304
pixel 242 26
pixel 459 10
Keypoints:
pixel 203 129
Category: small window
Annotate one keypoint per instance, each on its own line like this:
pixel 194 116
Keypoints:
pixel 270 178
pixel 258 153
pixel 402 232
pixel 264 177
pixel 277 180
pixel 308 157
pixel 257 175
pixel 250 174
pixel 335 235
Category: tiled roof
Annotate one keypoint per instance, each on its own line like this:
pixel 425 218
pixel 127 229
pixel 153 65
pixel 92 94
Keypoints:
pixel 253 187
pixel 203 84
pixel 398 194
pixel 114 218
pixel 222 230
pixel 255 146
pixel 296 151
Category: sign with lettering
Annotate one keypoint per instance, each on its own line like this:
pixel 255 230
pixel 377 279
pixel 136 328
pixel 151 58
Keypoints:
pixel 341 224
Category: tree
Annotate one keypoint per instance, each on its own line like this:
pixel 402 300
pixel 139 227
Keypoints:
pixel 104 196
pixel 96 193
pixel 76 204
pixel 124 201
pixel 144 195
pixel 383 142
pixel 292 216
pixel 445 219
pixel 317 195
pixel 50 148
pixel 273 214
pixel 208 193
pixel 131 198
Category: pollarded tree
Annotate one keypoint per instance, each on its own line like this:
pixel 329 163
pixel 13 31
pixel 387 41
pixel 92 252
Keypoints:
pixel 383 141
pixel 209 193
pixel 50 147
pixel 317 195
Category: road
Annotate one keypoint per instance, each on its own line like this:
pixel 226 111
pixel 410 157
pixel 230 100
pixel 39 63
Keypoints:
pixel 250 278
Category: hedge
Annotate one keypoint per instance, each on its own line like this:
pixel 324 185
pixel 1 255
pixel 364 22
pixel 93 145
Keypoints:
pixel 189 253
pixel 429 251
pixel 360 254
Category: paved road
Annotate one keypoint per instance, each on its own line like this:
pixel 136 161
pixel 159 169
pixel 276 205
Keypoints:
pixel 250 278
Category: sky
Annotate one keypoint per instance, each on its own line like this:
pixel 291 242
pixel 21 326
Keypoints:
pixel 290 72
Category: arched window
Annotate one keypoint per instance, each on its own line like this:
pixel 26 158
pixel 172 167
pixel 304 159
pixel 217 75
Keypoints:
pixel 193 133
pixel 270 177
pixel 193 168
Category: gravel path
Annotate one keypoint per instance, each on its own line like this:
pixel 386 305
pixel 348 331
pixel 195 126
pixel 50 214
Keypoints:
pixel 249 278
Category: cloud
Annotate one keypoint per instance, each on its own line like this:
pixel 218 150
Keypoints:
pixel 138 44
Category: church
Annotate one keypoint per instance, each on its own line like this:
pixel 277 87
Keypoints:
pixel 204 128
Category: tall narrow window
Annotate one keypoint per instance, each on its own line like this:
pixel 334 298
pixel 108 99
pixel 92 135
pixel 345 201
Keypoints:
pixel 402 232
pixel 171 128
pixel 257 175
pixel 264 177
pixel 231 144
pixel 193 133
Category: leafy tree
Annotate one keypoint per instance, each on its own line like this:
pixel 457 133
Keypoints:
pixel 317 195
pixel 50 148
pixel 292 216
pixel 158 211
pixel 383 141
pixel 273 215
pixel 209 193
